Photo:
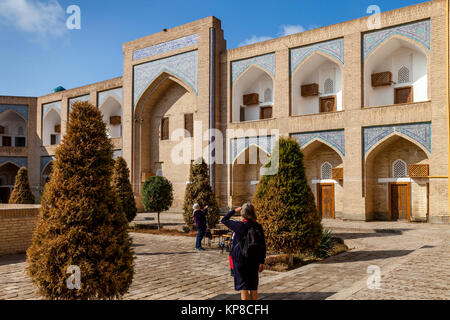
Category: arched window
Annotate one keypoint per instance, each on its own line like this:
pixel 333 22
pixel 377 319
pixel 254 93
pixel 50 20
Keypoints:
pixel 159 173
pixel 399 169
pixel 268 95
pixel 325 171
pixel 20 131
pixel 328 86
pixel 403 75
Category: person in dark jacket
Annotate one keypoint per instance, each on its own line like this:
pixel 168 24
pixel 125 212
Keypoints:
pixel 246 277
pixel 200 224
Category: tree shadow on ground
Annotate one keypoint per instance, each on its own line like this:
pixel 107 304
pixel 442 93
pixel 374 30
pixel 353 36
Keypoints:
pixel 280 296
pixel 13 259
pixel 354 256
pixel 376 234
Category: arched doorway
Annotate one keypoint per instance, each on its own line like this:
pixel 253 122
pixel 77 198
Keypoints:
pixel 13 129
pixel 320 161
pixel 51 128
pixel 8 173
pixel 390 193
pixel 317 86
pixel 160 111
pixel 45 177
pixel 111 110
pixel 395 73
pixel 257 85
pixel 247 173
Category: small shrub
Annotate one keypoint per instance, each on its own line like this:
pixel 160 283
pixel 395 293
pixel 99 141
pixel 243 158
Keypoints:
pixel 326 244
pixel 121 182
pixel 22 192
pixel 157 195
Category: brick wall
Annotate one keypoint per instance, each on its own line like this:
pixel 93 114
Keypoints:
pixel 17 223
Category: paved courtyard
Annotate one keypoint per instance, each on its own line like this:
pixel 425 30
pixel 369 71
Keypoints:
pixel 414 260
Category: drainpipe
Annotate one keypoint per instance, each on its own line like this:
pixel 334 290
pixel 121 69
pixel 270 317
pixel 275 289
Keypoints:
pixel 212 105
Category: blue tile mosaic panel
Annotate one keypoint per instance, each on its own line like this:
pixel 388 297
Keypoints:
pixel 21 110
pixel 419 132
pixel 166 47
pixel 418 31
pixel 183 66
pixel 45 161
pixel 117 153
pixel 266 62
pixel 18 161
pixel 238 145
pixel 49 106
pixel 334 48
pixel 334 138
pixel 116 93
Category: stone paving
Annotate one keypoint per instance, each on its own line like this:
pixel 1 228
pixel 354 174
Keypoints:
pixel 414 260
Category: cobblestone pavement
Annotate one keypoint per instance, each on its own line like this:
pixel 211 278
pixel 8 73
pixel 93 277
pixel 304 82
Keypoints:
pixel 414 260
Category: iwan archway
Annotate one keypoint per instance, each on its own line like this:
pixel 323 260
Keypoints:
pixel 161 112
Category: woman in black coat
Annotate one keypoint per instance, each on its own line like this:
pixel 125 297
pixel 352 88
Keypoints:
pixel 246 278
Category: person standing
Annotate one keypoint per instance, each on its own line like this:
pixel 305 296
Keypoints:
pixel 200 224
pixel 248 252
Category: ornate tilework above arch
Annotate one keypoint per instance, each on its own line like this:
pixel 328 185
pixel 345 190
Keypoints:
pixel 266 62
pixel 21 110
pixel 334 48
pixel 184 66
pixel 238 145
pixel 166 47
pixel 418 31
pixel 45 161
pixel 47 107
pixel 18 161
pixel 419 132
pixel 335 138
pixel 116 93
pixel 85 98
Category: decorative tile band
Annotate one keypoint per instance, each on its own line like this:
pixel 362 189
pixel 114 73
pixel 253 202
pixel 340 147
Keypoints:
pixel 418 31
pixel 166 47
pixel 18 161
pixel 21 110
pixel 184 66
pixel 334 48
pixel 419 132
pixel 116 93
pixel 266 62
pixel 238 145
pixel 49 106
pixel 45 161
pixel 334 138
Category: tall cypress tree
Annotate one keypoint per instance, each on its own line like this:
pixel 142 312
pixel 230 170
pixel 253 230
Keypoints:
pixel 80 223
pixel 285 203
pixel 199 191
pixel 122 184
pixel 22 192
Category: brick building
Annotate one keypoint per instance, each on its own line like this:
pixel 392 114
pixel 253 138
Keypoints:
pixel 367 103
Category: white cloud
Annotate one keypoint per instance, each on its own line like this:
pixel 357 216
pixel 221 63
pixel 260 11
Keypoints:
pixel 36 17
pixel 254 39
pixel 291 29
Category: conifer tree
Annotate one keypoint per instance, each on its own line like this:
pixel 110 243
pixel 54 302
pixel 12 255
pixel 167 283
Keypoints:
pixel 122 184
pixel 80 224
pixel 22 192
pixel 199 191
pixel 285 203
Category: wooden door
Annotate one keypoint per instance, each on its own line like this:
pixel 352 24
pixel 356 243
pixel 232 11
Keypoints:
pixel 4 194
pixel 328 104
pixel 325 200
pixel 399 201
pixel 403 95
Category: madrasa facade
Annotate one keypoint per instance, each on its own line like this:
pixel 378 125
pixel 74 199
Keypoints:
pixel 366 101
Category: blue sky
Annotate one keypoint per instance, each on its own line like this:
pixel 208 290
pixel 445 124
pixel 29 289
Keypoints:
pixel 39 53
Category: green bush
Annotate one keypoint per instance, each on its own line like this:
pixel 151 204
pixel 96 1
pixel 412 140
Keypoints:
pixel 199 191
pixel 285 203
pixel 80 222
pixel 326 244
pixel 157 195
pixel 22 192
pixel 121 182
